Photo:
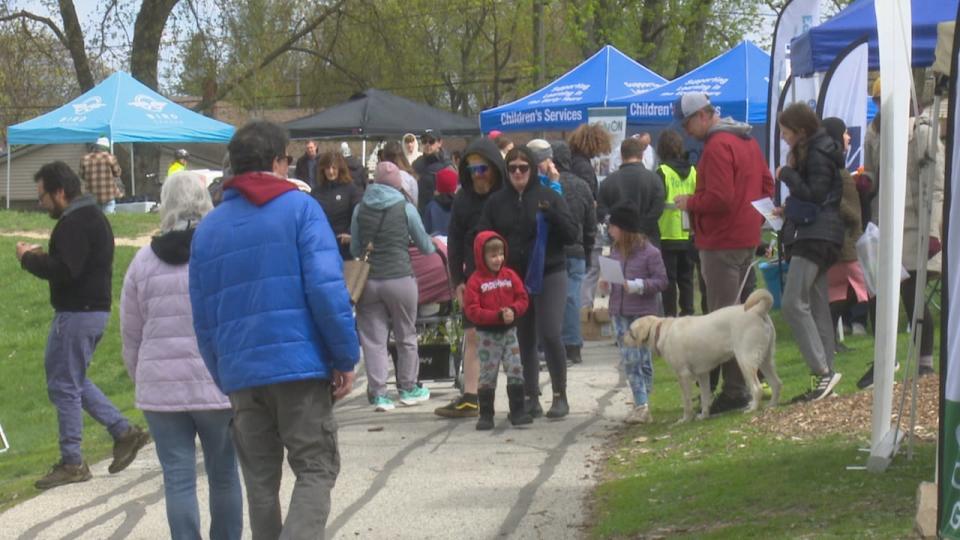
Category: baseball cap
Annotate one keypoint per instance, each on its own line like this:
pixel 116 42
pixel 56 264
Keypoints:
pixel 431 135
pixel 541 150
pixel 688 104
pixel 103 142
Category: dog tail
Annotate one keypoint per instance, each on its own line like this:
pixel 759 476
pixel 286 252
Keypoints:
pixel 760 301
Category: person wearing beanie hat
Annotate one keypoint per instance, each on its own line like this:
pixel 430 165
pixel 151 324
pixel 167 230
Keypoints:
pixel 387 221
pixel 645 277
pixel 543 157
pixel 436 216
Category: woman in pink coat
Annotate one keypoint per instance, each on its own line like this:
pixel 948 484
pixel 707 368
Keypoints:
pixel 173 387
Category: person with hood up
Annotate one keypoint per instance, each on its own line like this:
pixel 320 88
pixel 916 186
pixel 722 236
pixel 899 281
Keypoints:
pixel 812 234
pixel 357 170
pixel 383 224
pixel 580 201
pixel 513 213
pixel 495 299
pixel 731 173
pixel 679 178
pixel 276 331
pixel 482 172
pixel 411 147
pixel 436 217
pixel 173 387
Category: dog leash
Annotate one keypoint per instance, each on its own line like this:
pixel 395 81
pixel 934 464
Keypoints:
pixel 743 283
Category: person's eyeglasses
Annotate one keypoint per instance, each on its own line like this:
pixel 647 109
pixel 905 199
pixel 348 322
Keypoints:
pixel 478 169
pixel 522 169
pixel 428 141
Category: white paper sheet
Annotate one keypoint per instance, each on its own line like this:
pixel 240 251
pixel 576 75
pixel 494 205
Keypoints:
pixel 765 207
pixel 610 271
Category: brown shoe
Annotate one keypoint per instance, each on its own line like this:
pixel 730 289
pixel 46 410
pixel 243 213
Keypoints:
pixel 64 473
pixel 126 446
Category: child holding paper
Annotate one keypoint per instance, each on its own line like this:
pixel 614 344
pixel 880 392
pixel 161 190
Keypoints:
pixel 644 278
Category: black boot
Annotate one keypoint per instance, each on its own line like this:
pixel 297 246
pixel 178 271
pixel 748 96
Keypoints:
pixel 518 414
pixel 531 404
pixel 573 354
pixel 559 408
pixel 485 396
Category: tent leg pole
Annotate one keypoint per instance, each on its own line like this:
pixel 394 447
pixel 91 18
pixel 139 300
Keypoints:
pixel 133 175
pixel 9 155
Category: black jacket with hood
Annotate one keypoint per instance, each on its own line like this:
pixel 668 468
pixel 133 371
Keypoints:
pixel 513 215
pixel 581 166
pixel 817 180
pixel 427 166
pixel 579 199
pixel 467 207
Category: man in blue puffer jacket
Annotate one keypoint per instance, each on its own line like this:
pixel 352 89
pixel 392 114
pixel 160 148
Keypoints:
pixel 275 328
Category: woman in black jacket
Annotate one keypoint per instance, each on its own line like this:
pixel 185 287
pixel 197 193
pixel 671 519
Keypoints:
pixel 812 233
pixel 512 213
pixel 338 195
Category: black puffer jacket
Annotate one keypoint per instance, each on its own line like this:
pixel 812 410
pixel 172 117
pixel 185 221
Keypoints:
pixel 581 166
pixel 513 215
pixel 427 166
pixel 817 180
pixel 467 207
pixel 576 192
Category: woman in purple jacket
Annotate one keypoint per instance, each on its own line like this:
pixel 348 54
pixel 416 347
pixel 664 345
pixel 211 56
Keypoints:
pixel 173 387
pixel 645 277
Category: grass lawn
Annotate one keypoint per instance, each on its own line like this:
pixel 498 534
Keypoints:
pixel 28 419
pixel 725 478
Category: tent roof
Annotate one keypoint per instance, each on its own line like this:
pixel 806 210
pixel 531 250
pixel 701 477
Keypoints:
pixel 375 113
pixel 814 50
pixel 563 104
pixel 736 81
pixel 125 110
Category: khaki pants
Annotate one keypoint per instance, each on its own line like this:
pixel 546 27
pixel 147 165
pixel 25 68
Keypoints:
pixel 296 416
pixel 723 271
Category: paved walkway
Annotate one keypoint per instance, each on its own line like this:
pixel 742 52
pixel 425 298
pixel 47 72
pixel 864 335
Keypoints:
pixel 405 474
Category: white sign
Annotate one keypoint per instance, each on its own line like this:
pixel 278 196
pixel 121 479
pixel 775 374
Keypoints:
pixel 614 120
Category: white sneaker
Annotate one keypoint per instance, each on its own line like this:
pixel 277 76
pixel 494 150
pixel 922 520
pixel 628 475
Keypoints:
pixel 639 415
pixel 858 329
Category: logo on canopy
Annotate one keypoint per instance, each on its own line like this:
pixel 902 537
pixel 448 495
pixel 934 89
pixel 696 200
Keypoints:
pixel 147 103
pixel 88 105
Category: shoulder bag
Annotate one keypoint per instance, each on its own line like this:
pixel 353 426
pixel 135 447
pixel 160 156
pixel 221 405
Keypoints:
pixel 356 271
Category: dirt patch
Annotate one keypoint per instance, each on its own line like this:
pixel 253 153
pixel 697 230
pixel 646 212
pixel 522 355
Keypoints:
pixel 138 241
pixel 851 414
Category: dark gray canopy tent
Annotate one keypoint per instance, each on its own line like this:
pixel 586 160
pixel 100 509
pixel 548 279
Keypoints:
pixel 375 114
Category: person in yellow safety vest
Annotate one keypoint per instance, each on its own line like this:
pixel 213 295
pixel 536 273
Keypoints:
pixel 676 245
pixel 179 162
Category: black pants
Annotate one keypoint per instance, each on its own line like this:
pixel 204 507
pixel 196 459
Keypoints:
pixel 543 322
pixel 679 264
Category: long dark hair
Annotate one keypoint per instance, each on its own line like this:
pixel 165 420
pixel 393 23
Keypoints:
pixel 393 152
pixel 336 159
pixel 800 118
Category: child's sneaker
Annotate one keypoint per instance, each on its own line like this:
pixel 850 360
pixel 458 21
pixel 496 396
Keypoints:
pixel 382 404
pixel 639 415
pixel 414 396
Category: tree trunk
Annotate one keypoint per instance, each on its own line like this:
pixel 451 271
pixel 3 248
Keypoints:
pixel 74 43
pixel 147 31
pixel 694 32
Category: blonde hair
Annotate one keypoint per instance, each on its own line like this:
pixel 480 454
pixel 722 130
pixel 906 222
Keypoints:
pixel 629 242
pixel 184 200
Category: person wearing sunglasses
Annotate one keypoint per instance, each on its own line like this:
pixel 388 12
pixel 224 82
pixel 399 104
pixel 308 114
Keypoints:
pixel 512 212
pixel 482 172
pixel 428 165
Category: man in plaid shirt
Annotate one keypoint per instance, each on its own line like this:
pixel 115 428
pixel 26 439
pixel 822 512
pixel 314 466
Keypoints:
pixel 101 173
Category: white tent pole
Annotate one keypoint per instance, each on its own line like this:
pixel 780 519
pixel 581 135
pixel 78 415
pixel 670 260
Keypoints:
pixel 9 154
pixel 133 176
pixel 893 28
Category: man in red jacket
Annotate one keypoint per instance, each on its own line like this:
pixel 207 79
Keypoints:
pixel 730 174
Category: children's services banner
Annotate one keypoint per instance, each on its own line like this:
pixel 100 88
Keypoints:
pixel 614 119
pixel 949 455
pixel 843 95
pixel 797 17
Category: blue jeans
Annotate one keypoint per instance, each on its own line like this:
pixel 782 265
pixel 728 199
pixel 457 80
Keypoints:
pixel 109 207
pixel 175 435
pixel 73 338
pixel 576 268
pixel 637 363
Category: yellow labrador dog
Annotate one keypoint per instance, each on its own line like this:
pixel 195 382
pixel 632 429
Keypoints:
pixel 695 345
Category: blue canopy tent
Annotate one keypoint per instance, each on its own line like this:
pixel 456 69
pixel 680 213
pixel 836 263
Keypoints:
pixel 814 51
pixel 123 109
pixel 563 104
pixel 736 81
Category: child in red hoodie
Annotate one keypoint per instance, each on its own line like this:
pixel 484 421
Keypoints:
pixel 494 299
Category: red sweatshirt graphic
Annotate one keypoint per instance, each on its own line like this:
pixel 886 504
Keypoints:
pixel 488 292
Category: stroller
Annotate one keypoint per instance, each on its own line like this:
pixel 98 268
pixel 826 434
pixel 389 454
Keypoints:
pixel 439 324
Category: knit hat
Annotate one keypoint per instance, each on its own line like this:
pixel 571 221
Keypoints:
pixel 835 128
pixel 626 216
pixel 494 134
pixel 446 180
pixel 388 173
pixel 541 150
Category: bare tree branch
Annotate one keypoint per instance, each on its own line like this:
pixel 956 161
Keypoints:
pixel 226 88
pixel 333 63
pixel 23 14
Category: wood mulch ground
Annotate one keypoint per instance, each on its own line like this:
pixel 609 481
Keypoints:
pixel 850 414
